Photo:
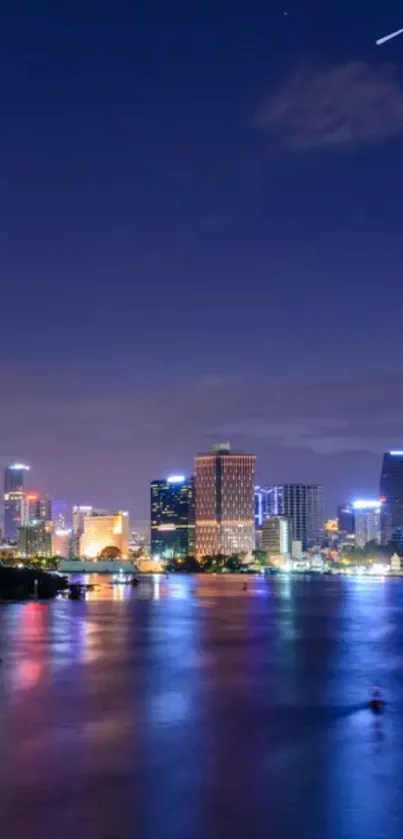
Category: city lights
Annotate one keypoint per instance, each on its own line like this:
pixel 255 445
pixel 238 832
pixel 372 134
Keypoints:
pixel 370 504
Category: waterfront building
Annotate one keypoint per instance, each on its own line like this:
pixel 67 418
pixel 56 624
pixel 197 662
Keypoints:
pixel 80 512
pixel 391 492
pixel 172 517
pixel 303 505
pixel 367 522
pixel 36 508
pixel 35 539
pixel 346 522
pixel 225 502
pixel 105 534
pixel 276 535
pixel 261 501
pixel 14 479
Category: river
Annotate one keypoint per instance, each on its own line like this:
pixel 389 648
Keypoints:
pixel 189 707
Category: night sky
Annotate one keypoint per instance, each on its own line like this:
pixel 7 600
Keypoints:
pixel 201 222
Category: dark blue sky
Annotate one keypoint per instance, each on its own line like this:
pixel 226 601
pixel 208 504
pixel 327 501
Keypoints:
pixel 201 238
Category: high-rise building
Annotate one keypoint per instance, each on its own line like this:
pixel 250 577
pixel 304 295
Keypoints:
pixel 45 508
pixel 345 520
pixel 35 539
pixel 276 535
pixel 172 517
pixel 261 497
pixel 36 508
pixel 61 542
pixel 368 522
pixel 303 505
pixel 14 477
pixel 105 533
pixel 80 512
pixel 391 491
pixel 224 502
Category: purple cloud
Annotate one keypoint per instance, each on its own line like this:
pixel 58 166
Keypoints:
pixel 354 102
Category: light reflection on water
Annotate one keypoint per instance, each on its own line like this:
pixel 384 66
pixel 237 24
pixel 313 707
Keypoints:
pixel 193 707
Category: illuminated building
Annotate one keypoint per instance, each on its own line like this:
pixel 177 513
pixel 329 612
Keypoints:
pixel 276 535
pixel 225 502
pixel 105 531
pixel 368 522
pixel 14 477
pixel 172 517
pixel 80 512
pixel 345 520
pixel 391 491
pixel 35 539
pixel 303 505
pixel 61 542
pixel 261 500
pixel 36 508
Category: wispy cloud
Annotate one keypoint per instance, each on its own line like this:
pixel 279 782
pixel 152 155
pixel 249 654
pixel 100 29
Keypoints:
pixel 353 102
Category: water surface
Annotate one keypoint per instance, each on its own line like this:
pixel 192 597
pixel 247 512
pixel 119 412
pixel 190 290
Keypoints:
pixel 192 708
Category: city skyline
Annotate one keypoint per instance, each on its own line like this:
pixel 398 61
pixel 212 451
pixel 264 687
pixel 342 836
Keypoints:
pixel 142 523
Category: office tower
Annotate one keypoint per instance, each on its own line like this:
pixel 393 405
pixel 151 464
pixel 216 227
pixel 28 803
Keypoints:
pixel 80 512
pixel 276 535
pixel 261 497
pixel 345 520
pixel 30 508
pixel 391 491
pixel 303 504
pixel 45 509
pixel 36 508
pixel 35 539
pixel 368 522
pixel 105 534
pixel 224 502
pixel 61 542
pixel 14 477
pixel 172 517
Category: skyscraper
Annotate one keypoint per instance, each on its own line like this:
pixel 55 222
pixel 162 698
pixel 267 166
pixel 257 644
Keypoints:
pixel 367 522
pixel 80 512
pixel 391 491
pixel 345 520
pixel 14 476
pixel 261 497
pixel 303 504
pixel 172 517
pixel 224 502
pixel 35 539
pixel 36 508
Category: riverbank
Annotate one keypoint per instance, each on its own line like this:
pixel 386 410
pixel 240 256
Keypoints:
pixel 28 583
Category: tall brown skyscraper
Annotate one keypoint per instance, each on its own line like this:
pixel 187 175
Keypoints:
pixel 224 502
